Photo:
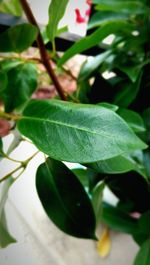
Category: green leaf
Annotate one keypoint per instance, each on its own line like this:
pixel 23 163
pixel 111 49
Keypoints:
pixel 101 17
pixel 91 65
pixel 77 132
pixel 5 237
pixel 118 164
pixel 56 12
pixel 132 72
pixel 133 119
pixel 22 82
pixel 97 195
pixel 94 39
pixel 81 174
pixel 144 223
pixel 1 148
pixel 3 81
pixel 119 220
pixel 11 7
pixel 8 64
pixel 108 106
pixel 128 93
pixel 127 7
pixel 143 256
pixel 18 38
pixel 65 200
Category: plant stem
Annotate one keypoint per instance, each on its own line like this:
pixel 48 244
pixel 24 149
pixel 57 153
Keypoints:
pixel 44 55
pixel 10 173
pixel 9 116
pixel 11 159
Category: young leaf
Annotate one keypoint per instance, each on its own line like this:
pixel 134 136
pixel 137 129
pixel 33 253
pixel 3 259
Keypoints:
pixel 143 256
pixel 95 38
pixel 56 12
pixel 18 38
pixel 97 194
pixel 56 129
pixel 11 7
pixel 65 200
pixel 5 237
pixel 22 82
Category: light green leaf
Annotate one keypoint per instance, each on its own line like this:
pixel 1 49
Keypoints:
pixel 18 38
pixel 97 195
pixel 95 38
pixel 65 200
pixel 91 65
pixel 22 82
pixel 133 119
pixel 77 132
pixel 108 106
pixel 11 7
pixel 143 256
pixel 56 12
pixel 5 237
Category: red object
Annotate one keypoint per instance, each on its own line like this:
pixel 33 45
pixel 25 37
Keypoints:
pixel 4 127
pixel 88 12
pixel 89 2
pixel 79 18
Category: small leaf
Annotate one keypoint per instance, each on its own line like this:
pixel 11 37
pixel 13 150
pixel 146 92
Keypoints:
pixel 11 7
pixel 56 12
pixel 22 82
pixel 95 38
pixel 143 256
pixel 77 132
pixel 104 244
pixel 5 237
pixel 97 194
pixel 18 38
pixel 65 200
pixel 133 119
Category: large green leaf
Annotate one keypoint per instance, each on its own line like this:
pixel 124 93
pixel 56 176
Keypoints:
pixel 17 38
pixel 143 256
pixel 133 119
pixel 77 132
pixel 65 200
pixel 56 12
pixel 119 220
pixel 22 82
pixel 95 38
pixel 5 237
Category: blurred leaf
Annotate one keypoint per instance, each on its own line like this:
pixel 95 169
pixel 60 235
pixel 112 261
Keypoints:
pixel 143 256
pixel 56 12
pixel 22 82
pixel 97 196
pixel 5 237
pixel 108 106
pixel 94 39
pixel 81 174
pixel 17 38
pixel 134 119
pixel 98 134
pixel 11 7
pixel 3 81
pixel 132 72
pixel 65 200
pixel 104 244
pixel 119 220
pixel 144 223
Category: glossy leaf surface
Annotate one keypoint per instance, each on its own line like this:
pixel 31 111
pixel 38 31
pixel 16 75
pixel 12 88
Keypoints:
pixel 65 200
pixel 86 133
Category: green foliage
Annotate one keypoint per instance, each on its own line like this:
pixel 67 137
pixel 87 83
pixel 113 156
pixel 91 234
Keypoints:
pixel 11 7
pixel 13 40
pixel 65 200
pixel 143 256
pixel 48 119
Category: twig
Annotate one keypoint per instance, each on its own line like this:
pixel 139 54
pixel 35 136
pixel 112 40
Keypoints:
pixel 10 173
pixel 43 53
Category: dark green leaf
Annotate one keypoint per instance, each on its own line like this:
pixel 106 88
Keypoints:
pixel 143 256
pixel 77 132
pixel 144 223
pixel 97 195
pixel 132 72
pixel 105 16
pixel 119 220
pixel 133 119
pixel 8 64
pixel 56 12
pixel 81 174
pixel 22 82
pixel 140 238
pixel 5 237
pixel 146 115
pixel 1 148
pixel 3 81
pixel 91 65
pixel 11 7
pixel 17 38
pixel 65 200
pixel 95 38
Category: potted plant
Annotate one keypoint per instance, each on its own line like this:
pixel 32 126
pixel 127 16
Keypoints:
pixel 103 125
